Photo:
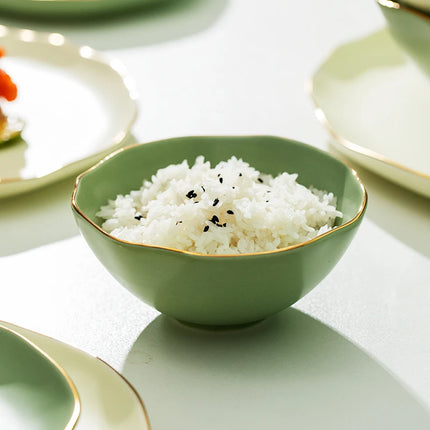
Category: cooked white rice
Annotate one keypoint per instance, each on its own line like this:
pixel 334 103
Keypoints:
pixel 229 209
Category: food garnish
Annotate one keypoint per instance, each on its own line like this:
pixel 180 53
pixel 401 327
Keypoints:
pixel 10 128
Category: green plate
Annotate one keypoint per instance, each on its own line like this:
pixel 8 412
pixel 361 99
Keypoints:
pixel 70 8
pixel 35 392
pixel 108 401
pixel 374 100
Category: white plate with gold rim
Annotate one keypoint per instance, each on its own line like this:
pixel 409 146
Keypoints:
pixel 375 102
pixel 108 401
pixel 77 104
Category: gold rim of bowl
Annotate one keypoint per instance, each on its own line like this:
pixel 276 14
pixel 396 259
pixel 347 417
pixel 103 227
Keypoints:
pixel 407 8
pixel 181 251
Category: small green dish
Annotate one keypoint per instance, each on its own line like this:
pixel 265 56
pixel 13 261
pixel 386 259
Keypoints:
pixel 410 27
pixel 35 392
pixel 71 9
pixel 208 289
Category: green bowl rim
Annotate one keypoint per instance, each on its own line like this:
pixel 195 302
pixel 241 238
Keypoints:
pixel 196 254
pixel 390 4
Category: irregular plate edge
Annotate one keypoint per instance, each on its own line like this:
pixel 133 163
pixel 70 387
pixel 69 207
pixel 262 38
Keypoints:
pixel 350 146
pixel 77 403
pixel 134 391
pixel 4 324
pixel 93 55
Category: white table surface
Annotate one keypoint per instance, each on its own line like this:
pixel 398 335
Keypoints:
pixel 236 67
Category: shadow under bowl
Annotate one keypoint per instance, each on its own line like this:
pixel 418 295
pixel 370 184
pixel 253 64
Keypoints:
pixel 217 290
pixel 410 28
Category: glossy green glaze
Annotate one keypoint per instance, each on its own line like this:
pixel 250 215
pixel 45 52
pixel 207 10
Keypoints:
pixel 109 401
pixel 34 392
pixel 68 9
pixel 218 290
pixel 411 29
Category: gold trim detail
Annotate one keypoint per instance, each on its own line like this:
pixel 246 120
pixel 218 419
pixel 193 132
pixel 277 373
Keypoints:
pixel 180 251
pixel 68 378
pixel 77 408
pixel 142 405
pixel 407 8
pixel 354 147
pixel 85 53
pixel 349 145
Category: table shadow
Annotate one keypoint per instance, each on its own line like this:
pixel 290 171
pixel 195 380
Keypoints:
pixel 289 371
pixel 402 213
pixel 139 26
pixel 39 217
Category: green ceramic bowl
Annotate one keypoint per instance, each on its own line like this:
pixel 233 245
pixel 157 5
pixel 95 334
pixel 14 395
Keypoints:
pixel 410 27
pixel 71 9
pixel 218 290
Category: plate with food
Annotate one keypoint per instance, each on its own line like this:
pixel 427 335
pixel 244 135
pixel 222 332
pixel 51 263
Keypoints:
pixel 71 105
pixel 35 392
pixel 374 100
pixel 107 399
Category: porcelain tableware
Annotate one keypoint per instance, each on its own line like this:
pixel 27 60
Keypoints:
pixel 410 27
pixel 374 101
pixel 109 401
pixel 77 106
pixel 68 9
pixel 423 5
pixel 35 392
pixel 208 289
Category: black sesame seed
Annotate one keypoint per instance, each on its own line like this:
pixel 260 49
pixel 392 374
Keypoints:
pixel 206 228
pixel 138 217
pixel 225 224
pixel 219 225
pixel 267 201
pixel 240 174
pixel 260 180
pixel 214 219
pixel 216 201
pixel 178 222
pixel 221 180
pixel 191 194
pixel 233 188
pixel 219 174
pixel 203 188
pixel 230 212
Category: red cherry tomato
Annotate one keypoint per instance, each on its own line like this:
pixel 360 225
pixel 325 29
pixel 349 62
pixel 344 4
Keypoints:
pixel 8 89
